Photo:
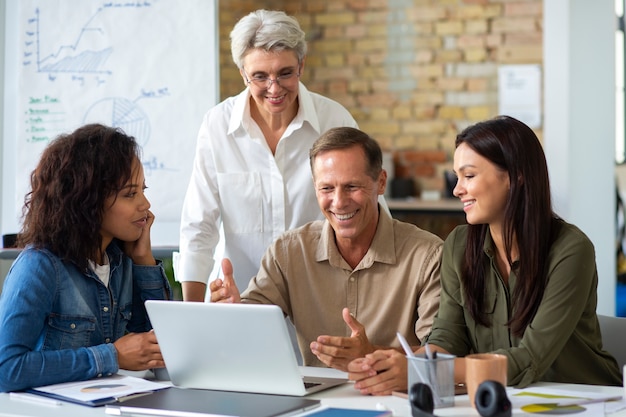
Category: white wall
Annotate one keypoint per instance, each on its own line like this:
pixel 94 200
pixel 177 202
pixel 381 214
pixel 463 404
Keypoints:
pixel 579 124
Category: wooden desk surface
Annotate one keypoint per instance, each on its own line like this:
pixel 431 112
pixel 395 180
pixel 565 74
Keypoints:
pixel 437 216
pixel 415 204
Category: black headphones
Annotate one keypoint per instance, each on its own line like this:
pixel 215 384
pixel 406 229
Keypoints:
pixel 490 400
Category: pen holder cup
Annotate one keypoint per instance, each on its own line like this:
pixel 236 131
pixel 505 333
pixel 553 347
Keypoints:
pixel 437 373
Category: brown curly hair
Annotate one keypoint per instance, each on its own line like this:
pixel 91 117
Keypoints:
pixel 77 172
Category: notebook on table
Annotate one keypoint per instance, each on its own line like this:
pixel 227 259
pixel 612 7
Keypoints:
pixel 181 402
pixel 230 347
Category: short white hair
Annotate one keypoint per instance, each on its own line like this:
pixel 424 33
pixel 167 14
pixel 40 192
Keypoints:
pixel 268 30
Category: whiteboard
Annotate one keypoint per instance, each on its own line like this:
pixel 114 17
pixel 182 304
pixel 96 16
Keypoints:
pixel 148 67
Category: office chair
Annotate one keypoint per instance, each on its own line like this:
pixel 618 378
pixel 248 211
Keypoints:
pixel 613 330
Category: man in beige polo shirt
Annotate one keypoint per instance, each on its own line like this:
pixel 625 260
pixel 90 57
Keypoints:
pixel 357 270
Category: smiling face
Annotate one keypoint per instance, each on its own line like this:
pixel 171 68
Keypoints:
pixel 347 195
pixel 280 96
pixel 482 186
pixel 125 214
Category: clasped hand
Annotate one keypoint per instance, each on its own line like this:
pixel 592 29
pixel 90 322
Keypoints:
pixel 379 373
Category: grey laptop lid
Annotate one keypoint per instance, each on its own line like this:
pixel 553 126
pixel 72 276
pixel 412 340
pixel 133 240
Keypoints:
pixel 229 347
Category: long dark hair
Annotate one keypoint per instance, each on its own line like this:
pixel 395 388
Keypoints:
pixel 528 219
pixel 76 173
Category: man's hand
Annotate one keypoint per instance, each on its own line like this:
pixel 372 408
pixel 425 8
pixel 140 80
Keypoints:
pixel 379 373
pixel 138 352
pixel 336 351
pixel 225 290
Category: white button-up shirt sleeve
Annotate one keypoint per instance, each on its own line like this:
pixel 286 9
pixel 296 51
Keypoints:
pixel 238 183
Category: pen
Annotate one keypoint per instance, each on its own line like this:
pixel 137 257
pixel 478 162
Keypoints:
pixel 429 353
pixel 23 396
pixel 405 345
pixel 409 353
pixel 432 370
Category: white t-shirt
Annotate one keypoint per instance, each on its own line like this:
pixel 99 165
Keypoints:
pixel 102 271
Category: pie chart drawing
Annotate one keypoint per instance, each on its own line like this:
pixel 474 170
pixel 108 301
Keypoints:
pixel 122 113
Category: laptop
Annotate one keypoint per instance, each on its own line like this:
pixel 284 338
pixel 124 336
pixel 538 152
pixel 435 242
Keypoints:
pixel 230 347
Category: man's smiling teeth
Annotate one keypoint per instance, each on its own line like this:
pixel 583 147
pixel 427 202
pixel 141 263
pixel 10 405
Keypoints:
pixel 345 216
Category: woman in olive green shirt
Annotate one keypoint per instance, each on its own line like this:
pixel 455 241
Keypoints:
pixel 516 280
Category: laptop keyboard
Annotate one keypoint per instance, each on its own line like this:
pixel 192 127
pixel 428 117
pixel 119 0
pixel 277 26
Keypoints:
pixel 308 385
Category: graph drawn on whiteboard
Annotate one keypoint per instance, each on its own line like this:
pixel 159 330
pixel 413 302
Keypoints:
pixel 145 66
pixel 69 58
pixel 77 61
pixel 81 56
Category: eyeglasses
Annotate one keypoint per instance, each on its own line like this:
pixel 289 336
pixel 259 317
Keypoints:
pixel 266 82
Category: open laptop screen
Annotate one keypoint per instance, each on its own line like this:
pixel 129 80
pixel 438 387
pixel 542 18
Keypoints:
pixel 230 347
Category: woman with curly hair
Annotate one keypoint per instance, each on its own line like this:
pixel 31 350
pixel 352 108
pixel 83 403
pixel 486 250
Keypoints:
pixel 72 304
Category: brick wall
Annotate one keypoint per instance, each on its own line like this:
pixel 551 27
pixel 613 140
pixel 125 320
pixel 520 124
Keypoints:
pixel 412 72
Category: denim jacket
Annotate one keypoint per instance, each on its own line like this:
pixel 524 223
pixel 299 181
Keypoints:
pixel 57 323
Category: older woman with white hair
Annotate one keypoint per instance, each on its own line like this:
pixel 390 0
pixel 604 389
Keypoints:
pixel 251 173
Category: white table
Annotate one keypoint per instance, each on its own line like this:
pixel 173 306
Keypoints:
pixel 344 396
